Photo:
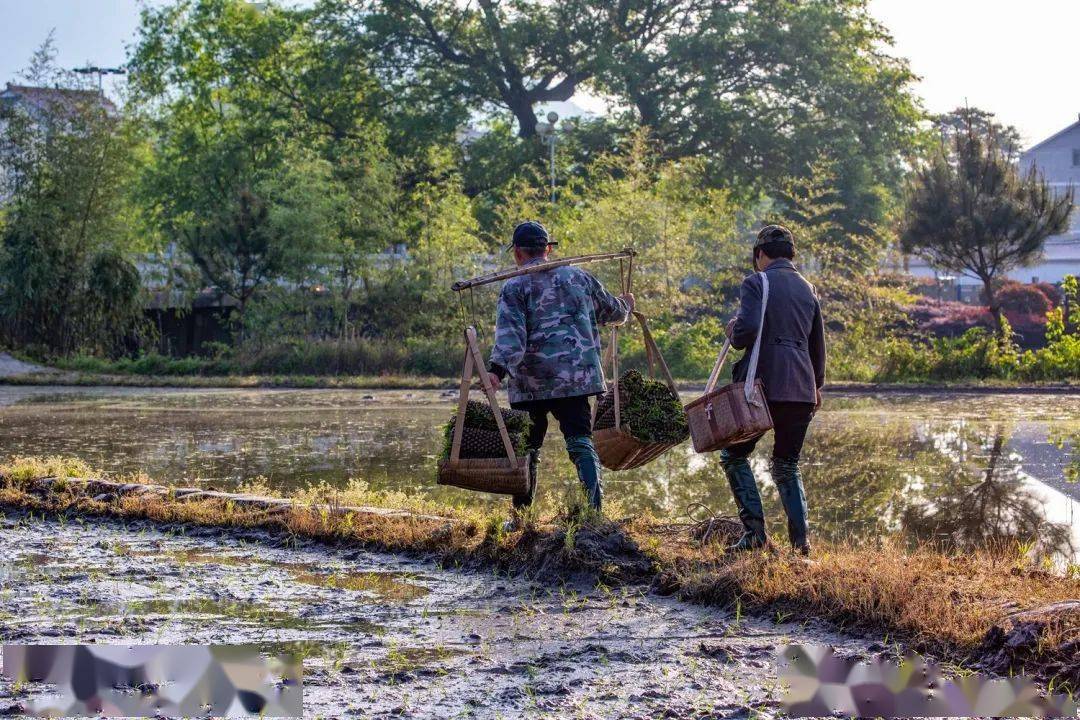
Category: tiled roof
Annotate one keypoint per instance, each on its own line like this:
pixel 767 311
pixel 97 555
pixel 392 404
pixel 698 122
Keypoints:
pixel 1053 137
pixel 44 98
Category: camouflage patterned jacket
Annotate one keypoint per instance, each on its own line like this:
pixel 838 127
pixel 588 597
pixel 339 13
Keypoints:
pixel 546 336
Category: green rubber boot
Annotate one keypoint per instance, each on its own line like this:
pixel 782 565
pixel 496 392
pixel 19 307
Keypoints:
pixel 743 486
pixel 583 454
pixel 789 484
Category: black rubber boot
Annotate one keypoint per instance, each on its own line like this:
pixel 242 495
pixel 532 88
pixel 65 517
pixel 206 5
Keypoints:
pixel 789 484
pixel 583 454
pixel 743 486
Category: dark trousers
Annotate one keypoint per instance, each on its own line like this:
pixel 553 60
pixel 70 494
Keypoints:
pixel 573 414
pixel 575 421
pixel 790 422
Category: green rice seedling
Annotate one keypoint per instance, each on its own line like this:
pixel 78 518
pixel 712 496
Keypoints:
pixel 653 412
pixel 484 441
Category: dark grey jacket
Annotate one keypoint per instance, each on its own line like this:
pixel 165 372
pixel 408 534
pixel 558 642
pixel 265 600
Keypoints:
pixel 791 363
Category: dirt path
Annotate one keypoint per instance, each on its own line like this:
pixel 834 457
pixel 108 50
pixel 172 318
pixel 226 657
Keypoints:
pixel 10 367
pixel 390 636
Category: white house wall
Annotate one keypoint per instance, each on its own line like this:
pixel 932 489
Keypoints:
pixel 1053 158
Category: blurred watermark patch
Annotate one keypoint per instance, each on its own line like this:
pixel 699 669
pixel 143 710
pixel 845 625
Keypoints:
pixel 158 680
pixel 822 684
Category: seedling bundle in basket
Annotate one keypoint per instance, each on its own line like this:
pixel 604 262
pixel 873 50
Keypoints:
pixel 507 473
pixel 480 436
pixel 651 412
pixel 638 419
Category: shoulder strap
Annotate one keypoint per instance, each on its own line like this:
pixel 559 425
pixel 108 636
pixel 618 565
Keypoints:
pixel 749 389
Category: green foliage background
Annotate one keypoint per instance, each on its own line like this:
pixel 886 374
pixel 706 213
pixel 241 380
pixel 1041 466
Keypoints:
pixel 333 169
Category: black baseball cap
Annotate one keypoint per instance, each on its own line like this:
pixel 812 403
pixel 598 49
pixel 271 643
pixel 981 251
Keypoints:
pixel 532 235
pixel 774 233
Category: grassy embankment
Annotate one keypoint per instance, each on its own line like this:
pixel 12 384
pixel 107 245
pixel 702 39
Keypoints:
pixel 343 382
pixel 992 608
pixel 424 382
pixel 370 365
pixel 182 374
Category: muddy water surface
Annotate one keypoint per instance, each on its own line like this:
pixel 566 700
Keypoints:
pixel 962 469
pixel 386 636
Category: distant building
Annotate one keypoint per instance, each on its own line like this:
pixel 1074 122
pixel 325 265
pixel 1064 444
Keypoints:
pixel 39 101
pixel 1057 159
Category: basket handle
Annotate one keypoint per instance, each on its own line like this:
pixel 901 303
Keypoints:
pixel 463 403
pixel 653 355
pixel 478 364
pixel 615 375
pixel 715 374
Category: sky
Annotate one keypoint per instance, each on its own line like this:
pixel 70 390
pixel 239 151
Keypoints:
pixel 1016 59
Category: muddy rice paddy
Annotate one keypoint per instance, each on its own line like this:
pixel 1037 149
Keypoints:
pixel 387 636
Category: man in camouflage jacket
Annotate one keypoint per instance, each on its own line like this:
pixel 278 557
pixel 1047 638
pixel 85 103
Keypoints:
pixel 548 344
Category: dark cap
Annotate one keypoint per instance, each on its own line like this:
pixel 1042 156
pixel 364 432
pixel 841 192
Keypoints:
pixel 774 233
pixel 531 235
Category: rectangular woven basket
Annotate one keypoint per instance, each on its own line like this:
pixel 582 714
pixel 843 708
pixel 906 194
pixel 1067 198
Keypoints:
pixel 508 475
pixel 723 418
pixel 619 450
pixel 492 475
pixel 614 440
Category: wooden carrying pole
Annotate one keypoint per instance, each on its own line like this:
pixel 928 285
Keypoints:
pixel 539 267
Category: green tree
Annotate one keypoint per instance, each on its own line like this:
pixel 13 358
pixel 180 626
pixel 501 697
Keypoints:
pixel 681 231
pixel 762 89
pixel 970 210
pixel 270 162
pixel 515 55
pixel 1006 138
pixel 68 229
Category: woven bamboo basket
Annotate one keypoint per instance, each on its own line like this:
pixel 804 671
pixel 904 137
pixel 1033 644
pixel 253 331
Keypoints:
pixel 504 476
pixel 736 412
pixel 617 446
pixel 490 475
pixel 721 418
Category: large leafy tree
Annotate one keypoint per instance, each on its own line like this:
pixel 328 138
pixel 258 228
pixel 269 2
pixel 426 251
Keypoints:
pixel 760 88
pixel 515 54
pixel 271 160
pixel 969 210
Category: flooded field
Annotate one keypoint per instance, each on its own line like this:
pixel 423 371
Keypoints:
pixel 966 469
pixel 383 636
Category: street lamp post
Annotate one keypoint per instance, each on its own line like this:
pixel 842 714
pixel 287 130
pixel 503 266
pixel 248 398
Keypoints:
pixel 547 132
pixel 100 72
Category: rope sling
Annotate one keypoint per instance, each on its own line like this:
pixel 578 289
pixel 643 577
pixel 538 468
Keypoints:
pixel 617 446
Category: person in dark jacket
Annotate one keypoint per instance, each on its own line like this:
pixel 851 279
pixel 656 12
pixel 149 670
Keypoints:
pixel 791 366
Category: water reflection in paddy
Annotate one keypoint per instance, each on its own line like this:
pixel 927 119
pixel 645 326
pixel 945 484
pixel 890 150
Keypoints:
pixel 965 467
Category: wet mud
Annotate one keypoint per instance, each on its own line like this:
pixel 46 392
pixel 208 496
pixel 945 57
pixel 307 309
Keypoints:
pixel 388 636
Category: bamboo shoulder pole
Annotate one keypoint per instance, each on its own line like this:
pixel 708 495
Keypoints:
pixel 541 267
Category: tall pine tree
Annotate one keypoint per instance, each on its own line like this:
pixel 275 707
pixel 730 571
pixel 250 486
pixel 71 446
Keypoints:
pixel 970 210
